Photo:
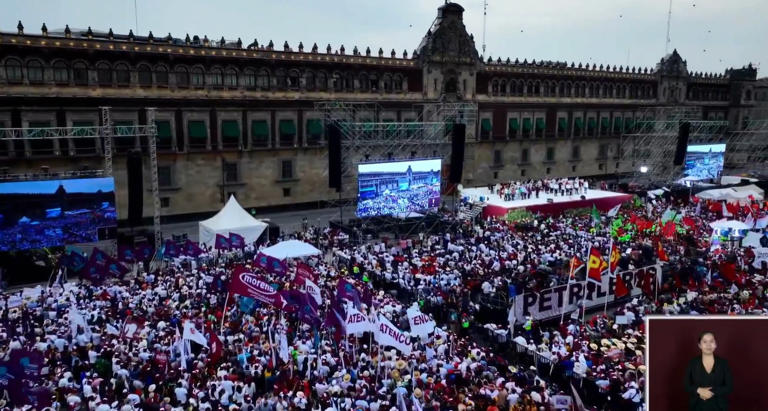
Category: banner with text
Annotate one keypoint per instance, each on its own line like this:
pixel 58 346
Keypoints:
pixel 551 302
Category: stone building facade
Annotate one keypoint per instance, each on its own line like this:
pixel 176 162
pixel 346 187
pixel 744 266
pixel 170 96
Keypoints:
pixel 237 118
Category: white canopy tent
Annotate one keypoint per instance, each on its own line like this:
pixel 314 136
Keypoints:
pixel 726 180
pixel 291 249
pixel 733 194
pixel 231 219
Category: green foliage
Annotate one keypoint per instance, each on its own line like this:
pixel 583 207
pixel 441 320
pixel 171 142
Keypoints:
pixel 519 214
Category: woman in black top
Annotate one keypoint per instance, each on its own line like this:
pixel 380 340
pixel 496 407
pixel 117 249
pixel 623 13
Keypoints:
pixel 708 379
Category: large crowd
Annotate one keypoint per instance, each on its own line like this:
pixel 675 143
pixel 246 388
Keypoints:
pixel 123 345
pixel 415 200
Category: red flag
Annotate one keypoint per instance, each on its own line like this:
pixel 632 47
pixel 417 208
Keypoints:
pixel 669 229
pixel 576 264
pixel 305 271
pixel 728 270
pixel 689 222
pixel 648 279
pixel 732 208
pixel 595 265
pixel 614 259
pixel 661 252
pixel 215 345
pixel 621 288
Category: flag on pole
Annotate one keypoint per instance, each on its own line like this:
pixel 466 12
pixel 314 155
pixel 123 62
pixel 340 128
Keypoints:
pixel 613 264
pixel 192 249
pixel 216 347
pixel 595 214
pixel 575 265
pixel 236 240
pixel 222 242
pixel 171 249
pixel 613 211
pixel 660 251
pixel 126 254
pixel 191 334
pixel 595 265
pixel 621 288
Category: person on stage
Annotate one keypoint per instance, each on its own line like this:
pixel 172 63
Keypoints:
pixel 708 379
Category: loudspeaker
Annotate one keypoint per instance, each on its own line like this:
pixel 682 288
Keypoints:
pixel 457 153
pixel 135 188
pixel 334 156
pixel 682 143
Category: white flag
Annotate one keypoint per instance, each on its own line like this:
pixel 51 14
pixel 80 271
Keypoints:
pixel 112 330
pixel 285 354
pixel 615 210
pixel 761 222
pixel 356 322
pixel 76 319
pixel 726 213
pixel 313 290
pixel 191 334
pixel 421 324
pixel 389 335
pixel 750 221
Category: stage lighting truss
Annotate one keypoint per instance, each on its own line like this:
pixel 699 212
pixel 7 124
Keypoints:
pixel 104 134
pixel 366 137
pixel 747 149
pixel 652 141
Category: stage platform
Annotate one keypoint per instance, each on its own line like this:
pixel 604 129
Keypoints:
pixel 496 206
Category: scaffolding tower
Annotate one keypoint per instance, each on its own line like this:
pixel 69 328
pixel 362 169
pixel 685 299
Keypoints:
pixel 651 143
pixel 104 134
pixel 366 137
pixel 747 148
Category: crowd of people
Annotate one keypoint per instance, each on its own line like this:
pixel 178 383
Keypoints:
pixel 529 189
pixel 414 200
pixel 123 345
pixel 50 232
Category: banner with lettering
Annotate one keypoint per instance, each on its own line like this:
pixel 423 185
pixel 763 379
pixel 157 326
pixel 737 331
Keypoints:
pixel 421 324
pixel 248 284
pixel 387 334
pixel 551 302
pixel 761 254
pixel 357 322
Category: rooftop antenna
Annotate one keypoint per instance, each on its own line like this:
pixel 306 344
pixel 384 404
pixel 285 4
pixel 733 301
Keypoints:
pixel 669 23
pixel 485 17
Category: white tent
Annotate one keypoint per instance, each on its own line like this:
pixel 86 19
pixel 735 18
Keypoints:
pixel 733 194
pixel 729 224
pixel 726 180
pixel 291 249
pixel 231 219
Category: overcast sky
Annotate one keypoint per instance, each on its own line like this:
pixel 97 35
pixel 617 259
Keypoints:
pixel 711 34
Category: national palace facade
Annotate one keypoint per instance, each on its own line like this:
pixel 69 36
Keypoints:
pixel 239 118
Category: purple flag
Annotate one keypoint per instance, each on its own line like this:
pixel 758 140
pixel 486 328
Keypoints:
pixel 308 311
pixel 293 300
pixel 126 254
pixel 248 284
pixel 276 266
pixel 171 249
pixel 262 261
pixel 26 363
pixel 236 240
pixel 347 290
pixel 39 397
pixel 75 261
pixel 96 268
pixel 7 374
pixel 192 249
pixel 144 251
pixel 222 242
pixel 116 269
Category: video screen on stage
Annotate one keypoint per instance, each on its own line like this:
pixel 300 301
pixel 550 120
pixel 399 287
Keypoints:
pixel 398 188
pixel 704 161
pixel 38 214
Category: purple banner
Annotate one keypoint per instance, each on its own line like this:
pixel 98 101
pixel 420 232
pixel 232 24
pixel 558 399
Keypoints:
pixel 248 284
pixel 222 242
pixel 236 240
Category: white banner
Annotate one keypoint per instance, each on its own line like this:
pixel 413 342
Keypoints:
pixel 553 301
pixel 313 290
pixel 761 254
pixel 388 335
pixel 421 324
pixel 190 333
pixel 356 322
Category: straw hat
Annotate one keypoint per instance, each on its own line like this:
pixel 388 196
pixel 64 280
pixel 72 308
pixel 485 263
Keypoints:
pixel 633 340
pixel 400 364
pixel 604 349
pixel 642 368
pixel 620 345
pixel 512 369
pixel 604 342
pixel 630 366
pixel 347 377
pixel 616 342
pixel 593 346
pixel 417 392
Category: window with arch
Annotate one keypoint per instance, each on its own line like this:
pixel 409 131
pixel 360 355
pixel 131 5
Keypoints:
pixel 161 76
pixel 13 71
pixel 387 83
pixel 215 77
pixel 374 82
pixel 495 88
pixel 293 79
pixel 309 80
pixel 182 76
pixel 35 72
pixel 537 89
pixel 503 87
pixel 263 80
pixel 561 91
pixel 529 89
pixel 610 91
pixel 60 72
pixel 104 74
pixel 364 84
pixel 519 88
pixel 230 78
pixel 249 78
pixel 80 73
pixel 349 82
pixel 337 82
pixel 122 74
pixel 397 82
pixel 322 81
pixel 144 75
pixel 196 77
pixel 591 90
pixel 281 79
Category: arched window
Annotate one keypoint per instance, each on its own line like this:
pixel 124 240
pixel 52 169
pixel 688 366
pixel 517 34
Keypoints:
pixel 161 76
pixel 337 82
pixel 215 77
pixel 569 89
pixel 374 82
pixel 80 73
pixel 13 71
pixel 537 89
pixel 230 78
pixel 182 76
pixel 281 79
pixel 503 87
pixel 387 80
pixel 610 91
pixel 196 77
pixel 398 83
pixel 495 88
pixel 529 89
pixel 591 91
pixel 262 80
pixel 364 84
pixel 104 74
pixel 552 89
pixel 35 72
pixel 60 72
pixel 349 82
pixel 309 80
pixel 122 74
pixel 249 78
pixel 322 81
pixel 562 92
pixel 293 79
pixel 144 75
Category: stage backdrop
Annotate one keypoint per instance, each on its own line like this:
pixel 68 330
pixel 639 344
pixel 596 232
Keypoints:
pixel 673 342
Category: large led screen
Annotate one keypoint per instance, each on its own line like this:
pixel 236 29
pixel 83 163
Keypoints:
pixel 38 214
pixel 704 161
pixel 398 188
